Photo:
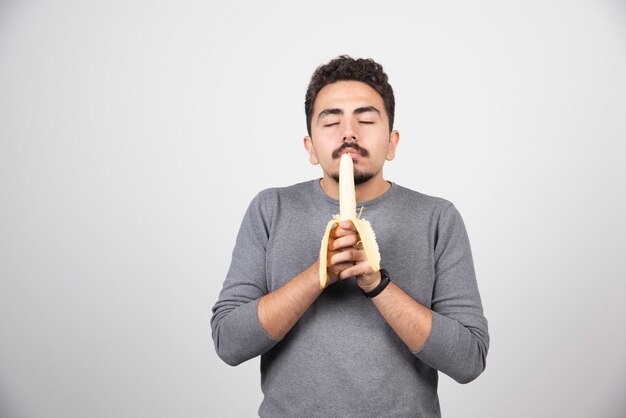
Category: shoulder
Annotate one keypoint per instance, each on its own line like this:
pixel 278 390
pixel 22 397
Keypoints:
pixel 269 200
pixel 274 195
pixel 423 202
pixel 437 212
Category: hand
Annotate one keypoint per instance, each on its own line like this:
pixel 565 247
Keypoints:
pixel 346 258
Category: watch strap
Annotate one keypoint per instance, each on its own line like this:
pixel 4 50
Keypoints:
pixel 384 282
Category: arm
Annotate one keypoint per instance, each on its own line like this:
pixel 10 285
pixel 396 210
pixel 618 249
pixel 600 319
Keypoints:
pixel 459 339
pixel 281 309
pixel 237 334
pixel 247 319
pixel 410 320
pixel 452 336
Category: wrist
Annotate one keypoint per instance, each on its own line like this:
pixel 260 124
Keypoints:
pixel 314 276
pixel 369 282
pixel 382 285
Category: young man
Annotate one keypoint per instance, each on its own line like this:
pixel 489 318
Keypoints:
pixel 370 344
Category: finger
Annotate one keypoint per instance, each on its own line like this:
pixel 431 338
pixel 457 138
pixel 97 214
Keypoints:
pixel 356 270
pixel 347 256
pixel 340 231
pixel 335 271
pixel 343 242
pixel 347 225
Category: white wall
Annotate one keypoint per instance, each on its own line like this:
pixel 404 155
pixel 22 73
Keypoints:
pixel 133 135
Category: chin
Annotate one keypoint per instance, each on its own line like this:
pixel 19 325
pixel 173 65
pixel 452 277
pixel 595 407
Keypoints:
pixel 359 177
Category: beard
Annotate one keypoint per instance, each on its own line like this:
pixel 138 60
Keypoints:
pixel 359 177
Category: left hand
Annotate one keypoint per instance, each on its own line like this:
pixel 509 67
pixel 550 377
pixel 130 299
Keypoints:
pixel 366 278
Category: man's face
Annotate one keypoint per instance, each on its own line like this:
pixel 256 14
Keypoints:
pixel 350 117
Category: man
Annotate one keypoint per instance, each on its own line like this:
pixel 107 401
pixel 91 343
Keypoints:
pixel 369 344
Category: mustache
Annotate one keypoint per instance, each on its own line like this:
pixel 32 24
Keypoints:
pixel 354 146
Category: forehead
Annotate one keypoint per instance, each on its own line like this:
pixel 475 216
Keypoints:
pixel 347 96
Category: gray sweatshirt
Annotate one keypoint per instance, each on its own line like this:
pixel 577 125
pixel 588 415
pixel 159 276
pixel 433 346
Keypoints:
pixel 342 359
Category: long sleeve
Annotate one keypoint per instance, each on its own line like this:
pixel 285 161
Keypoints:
pixel 459 339
pixel 332 356
pixel 237 333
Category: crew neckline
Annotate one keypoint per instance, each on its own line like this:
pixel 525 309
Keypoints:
pixel 320 192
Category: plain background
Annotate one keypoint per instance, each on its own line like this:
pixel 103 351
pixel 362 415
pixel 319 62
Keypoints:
pixel 134 134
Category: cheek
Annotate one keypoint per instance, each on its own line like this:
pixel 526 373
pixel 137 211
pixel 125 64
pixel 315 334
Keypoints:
pixel 326 143
pixel 313 158
pixel 327 136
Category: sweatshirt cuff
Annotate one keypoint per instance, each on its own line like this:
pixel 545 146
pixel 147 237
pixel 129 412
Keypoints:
pixel 251 325
pixel 443 334
pixel 250 339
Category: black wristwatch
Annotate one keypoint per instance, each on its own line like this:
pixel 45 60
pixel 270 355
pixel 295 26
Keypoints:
pixel 384 281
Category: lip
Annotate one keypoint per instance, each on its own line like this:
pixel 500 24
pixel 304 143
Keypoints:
pixel 353 153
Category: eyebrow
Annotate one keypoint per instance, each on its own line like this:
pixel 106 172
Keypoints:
pixel 357 111
pixel 366 109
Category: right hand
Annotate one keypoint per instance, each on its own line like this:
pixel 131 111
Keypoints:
pixel 342 249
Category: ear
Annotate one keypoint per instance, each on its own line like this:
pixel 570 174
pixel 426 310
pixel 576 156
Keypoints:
pixel 394 139
pixel 308 145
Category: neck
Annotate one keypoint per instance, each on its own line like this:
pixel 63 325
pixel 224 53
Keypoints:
pixel 369 190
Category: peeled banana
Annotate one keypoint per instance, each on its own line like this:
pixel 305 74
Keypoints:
pixel 347 212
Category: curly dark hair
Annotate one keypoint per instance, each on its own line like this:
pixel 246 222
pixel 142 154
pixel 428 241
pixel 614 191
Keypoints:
pixel 345 67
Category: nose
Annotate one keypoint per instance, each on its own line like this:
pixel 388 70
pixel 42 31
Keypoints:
pixel 349 133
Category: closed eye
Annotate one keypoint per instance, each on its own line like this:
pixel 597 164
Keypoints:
pixel 331 124
pixel 366 122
